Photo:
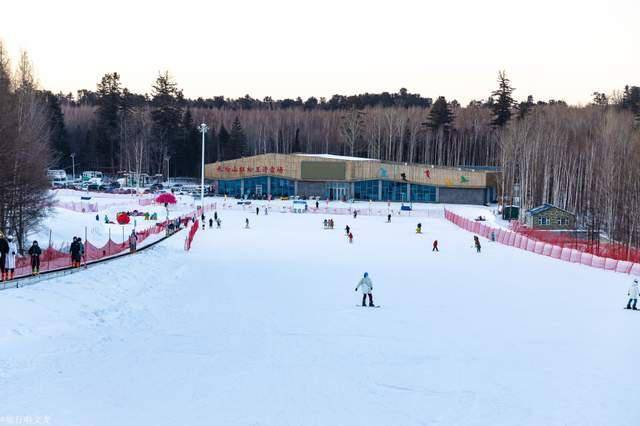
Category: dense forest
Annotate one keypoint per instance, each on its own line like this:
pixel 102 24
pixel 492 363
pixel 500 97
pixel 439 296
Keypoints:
pixel 581 158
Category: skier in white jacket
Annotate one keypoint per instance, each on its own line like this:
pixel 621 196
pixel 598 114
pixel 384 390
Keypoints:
pixel 633 295
pixel 10 261
pixel 366 287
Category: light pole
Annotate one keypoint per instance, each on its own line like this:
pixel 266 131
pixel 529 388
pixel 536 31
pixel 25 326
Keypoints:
pixel 203 129
pixel 167 158
pixel 73 165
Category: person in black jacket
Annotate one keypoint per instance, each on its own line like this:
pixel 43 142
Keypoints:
pixel 74 249
pixel 35 252
pixel 4 249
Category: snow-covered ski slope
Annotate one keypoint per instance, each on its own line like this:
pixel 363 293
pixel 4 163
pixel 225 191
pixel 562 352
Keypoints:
pixel 259 327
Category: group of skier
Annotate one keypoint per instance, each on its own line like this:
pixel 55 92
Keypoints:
pixel 328 223
pixel 77 252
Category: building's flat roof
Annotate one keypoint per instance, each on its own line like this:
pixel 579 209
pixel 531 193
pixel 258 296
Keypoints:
pixel 337 157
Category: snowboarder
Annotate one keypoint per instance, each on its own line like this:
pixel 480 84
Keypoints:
pixel 317 205
pixel 355 214
pixel 633 295
pixel 210 223
pixel 476 242
pixel 133 242
pixel 366 287
pixel 246 223
pixel 257 211
pixel 215 216
pixel 389 218
pixel 419 229
pixel 346 230
pixel 35 252
pixel 435 246
pixel 4 250
pixel 350 238
pixel 10 261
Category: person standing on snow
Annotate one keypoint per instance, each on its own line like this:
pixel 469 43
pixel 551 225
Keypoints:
pixel 35 252
pixel 366 287
pixel 476 242
pixel 355 214
pixel 4 250
pixel 435 246
pixel 419 229
pixel 74 249
pixel 215 216
pixel 350 238
pixel 389 218
pixel 246 223
pixel 218 223
pixel 10 262
pixel 257 211
pixel 81 250
pixel 210 223
pixel 633 295
pixel 346 230
pixel 133 242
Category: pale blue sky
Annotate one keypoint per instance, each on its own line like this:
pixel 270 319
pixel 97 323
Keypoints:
pixel 285 48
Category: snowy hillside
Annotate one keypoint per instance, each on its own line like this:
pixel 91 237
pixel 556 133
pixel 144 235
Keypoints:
pixel 261 326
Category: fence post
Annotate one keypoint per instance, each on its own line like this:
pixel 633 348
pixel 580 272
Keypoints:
pixel 49 250
pixel 85 246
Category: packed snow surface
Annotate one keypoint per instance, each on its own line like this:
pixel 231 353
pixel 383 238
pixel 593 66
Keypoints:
pixel 261 326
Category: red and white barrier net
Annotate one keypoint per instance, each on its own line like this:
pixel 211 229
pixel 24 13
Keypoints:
pixel 568 250
pixel 59 258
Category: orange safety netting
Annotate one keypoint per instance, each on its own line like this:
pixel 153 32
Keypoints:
pixel 52 258
pixel 564 248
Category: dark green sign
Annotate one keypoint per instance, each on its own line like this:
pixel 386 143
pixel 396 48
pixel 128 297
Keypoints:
pixel 323 170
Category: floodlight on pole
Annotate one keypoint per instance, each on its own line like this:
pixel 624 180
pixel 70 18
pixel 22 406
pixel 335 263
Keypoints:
pixel 203 128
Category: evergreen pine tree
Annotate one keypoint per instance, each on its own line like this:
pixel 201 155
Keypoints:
pixel 440 115
pixel 58 133
pixel 166 114
pixel 503 101
pixel 223 144
pixel 296 142
pixel 108 122
pixel 237 141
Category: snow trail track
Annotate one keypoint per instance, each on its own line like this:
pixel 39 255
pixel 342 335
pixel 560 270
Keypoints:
pixel 258 327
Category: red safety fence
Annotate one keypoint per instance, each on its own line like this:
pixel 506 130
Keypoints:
pixel 435 212
pixel 192 233
pixel 569 251
pixel 58 258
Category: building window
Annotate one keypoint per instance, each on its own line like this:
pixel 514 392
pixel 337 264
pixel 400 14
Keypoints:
pixel 563 221
pixel 394 191
pixel 366 190
pixel 544 221
pixel 423 193
pixel 255 187
pixel 282 187
pixel 231 188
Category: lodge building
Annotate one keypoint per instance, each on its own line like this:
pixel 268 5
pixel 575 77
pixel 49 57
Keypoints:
pixel 341 178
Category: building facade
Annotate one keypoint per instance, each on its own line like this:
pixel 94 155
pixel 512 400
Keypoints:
pixel 548 217
pixel 342 178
